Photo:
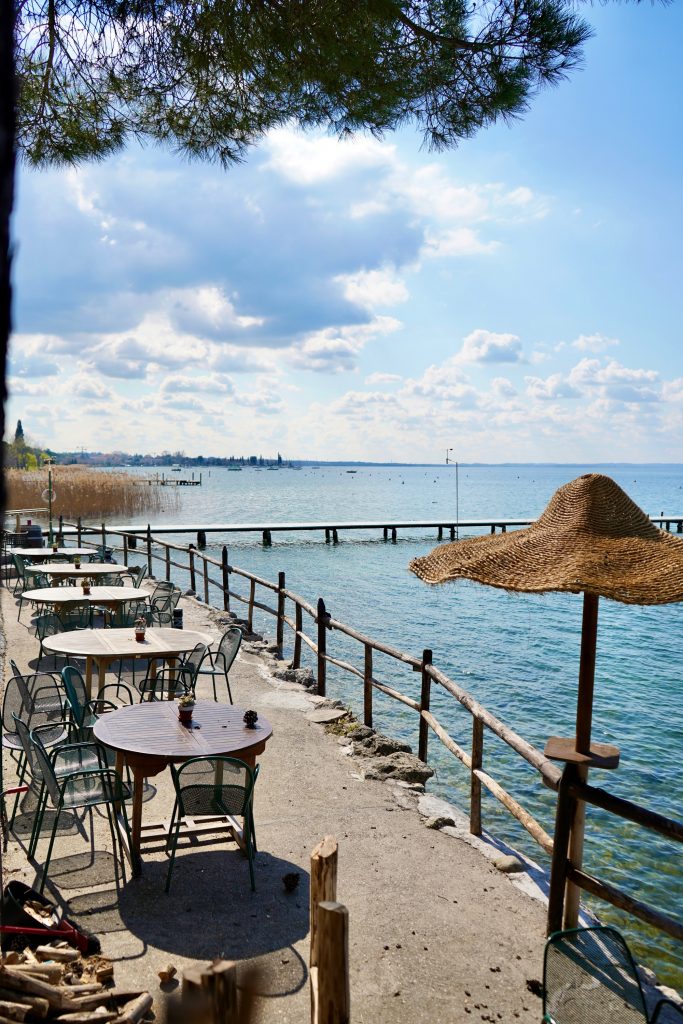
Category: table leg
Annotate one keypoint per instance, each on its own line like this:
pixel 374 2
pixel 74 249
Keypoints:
pixel 88 676
pixel 136 820
pixel 171 678
pixel 101 672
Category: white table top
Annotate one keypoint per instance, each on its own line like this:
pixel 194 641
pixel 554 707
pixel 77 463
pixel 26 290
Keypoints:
pixel 84 569
pixel 49 553
pixel 159 642
pixel 102 595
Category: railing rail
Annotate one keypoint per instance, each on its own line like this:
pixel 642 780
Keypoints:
pixel 566 783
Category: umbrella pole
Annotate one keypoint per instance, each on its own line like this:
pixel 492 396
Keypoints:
pixel 584 716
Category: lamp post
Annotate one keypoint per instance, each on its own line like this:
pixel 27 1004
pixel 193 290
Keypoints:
pixel 457 496
pixel 49 496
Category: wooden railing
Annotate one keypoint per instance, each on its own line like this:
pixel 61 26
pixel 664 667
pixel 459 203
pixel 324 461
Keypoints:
pixel 571 790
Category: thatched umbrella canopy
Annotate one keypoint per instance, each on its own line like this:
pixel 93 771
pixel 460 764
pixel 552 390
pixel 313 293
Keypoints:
pixel 591 538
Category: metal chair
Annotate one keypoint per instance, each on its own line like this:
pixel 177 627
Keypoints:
pixel 161 607
pixel 136 574
pixel 589 975
pixel 182 677
pixel 72 789
pixel 77 699
pixel 211 787
pixel 219 663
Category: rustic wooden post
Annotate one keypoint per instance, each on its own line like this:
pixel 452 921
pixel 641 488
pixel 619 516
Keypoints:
pixel 367 687
pixel 385 533
pixel 334 996
pixel 125 549
pixel 424 704
pixel 393 534
pixel 168 564
pixel 296 660
pixel 322 618
pixel 193 574
pixel 250 612
pixel 335 536
pixel 323 886
pixel 440 533
pixel 149 550
pixel 267 539
pixel 475 783
pixel 327 535
pixel 280 629
pixel 205 565
pixel 78 531
pixel 452 533
pixel 209 994
pixel 201 538
pixel 104 542
pixel 226 579
pixel 564 815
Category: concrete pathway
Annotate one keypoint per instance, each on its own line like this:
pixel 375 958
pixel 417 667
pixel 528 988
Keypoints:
pixel 436 932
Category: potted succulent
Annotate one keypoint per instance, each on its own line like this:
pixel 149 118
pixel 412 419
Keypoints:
pixel 77 561
pixel 140 628
pixel 85 583
pixel 185 708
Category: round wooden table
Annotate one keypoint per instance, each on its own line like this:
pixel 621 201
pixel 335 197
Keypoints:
pixel 68 569
pixel 149 737
pixel 49 553
pixel 108 597
pixel 100 647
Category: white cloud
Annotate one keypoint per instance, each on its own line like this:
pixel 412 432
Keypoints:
pixel 594 343
pixel 482 346
pixel 382 378
pixel 205 309
pixel 307 158
pixel 372 288
pixel 616 382
pixel 456 242
pixel 335 350
pixel 553 387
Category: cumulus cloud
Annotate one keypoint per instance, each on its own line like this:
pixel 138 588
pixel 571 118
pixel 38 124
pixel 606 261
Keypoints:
pixel 553 387
pixel 372 288
pixel 307 158
pixel 456 242
pixel 616 382
pixel 336 350
pixel 482 346
pixel 206 311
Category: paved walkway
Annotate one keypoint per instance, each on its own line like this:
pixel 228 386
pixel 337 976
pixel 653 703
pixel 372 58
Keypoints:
pixel 436 932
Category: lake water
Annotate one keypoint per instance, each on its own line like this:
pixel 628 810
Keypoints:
pixel 517 654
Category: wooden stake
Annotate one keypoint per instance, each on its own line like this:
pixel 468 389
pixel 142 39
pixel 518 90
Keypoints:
pixel 323 886
pixel 334 998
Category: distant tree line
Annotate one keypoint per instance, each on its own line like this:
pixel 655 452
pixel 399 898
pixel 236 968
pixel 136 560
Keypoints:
pixel 20 454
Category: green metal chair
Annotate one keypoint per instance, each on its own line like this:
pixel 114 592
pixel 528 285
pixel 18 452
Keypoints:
pixel 589 975
pixel 77 699
pixel 208 787
pixel 136 574
pixel 74 756
pixel 182 677
pixel 20 564
pixel 75 616
pixel 218 663
pixel 73 789
pixel 161 607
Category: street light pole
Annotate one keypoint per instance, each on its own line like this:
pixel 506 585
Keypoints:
pixel 457 495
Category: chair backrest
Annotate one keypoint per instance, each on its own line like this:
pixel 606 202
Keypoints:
pixel 228 647
pixel 36 699
pixel 48 624
pixel 76 693
pixel 74 616
pixel 41 758
pixel 24 734
pixel 589 974
pixel 162 588
pixel 138 573
pixel 117 694
pixel 214 785
pixel 191 663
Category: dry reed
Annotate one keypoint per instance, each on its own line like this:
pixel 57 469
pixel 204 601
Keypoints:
pixel 85 492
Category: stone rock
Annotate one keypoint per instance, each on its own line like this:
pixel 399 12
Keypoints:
pixel 438 822
pixel 360 732
pixel 379 745
pixel 303 676
pixel 190 593
pixel 326 715
pixel 508 864
pixel 253 638
pixel 399 766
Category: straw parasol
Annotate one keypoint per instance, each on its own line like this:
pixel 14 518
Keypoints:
pixel 591 539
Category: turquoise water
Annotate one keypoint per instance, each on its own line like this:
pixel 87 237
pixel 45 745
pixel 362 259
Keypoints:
pixel 517 654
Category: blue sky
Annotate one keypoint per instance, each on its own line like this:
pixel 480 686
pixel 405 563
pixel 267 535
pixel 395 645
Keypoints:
pixel 517 299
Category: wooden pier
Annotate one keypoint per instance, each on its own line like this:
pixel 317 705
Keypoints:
pixel 446 529
pixel 170 481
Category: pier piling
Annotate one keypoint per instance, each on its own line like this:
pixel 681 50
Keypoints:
pixel 267 539
pixel 201 539
pixel 335 537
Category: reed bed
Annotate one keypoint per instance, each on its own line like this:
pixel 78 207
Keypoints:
pixel 86 492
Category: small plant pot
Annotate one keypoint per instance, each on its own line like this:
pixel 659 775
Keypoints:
pixel 86 590
pixel 55 549
pixel 185 715
pixel 140 635
pixel 77 563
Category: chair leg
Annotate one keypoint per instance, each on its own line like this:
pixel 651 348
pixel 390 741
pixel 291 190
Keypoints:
pixel 49 849
pixel 37 821
pixel 227 680
pixel 250 849
pixel 175 843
